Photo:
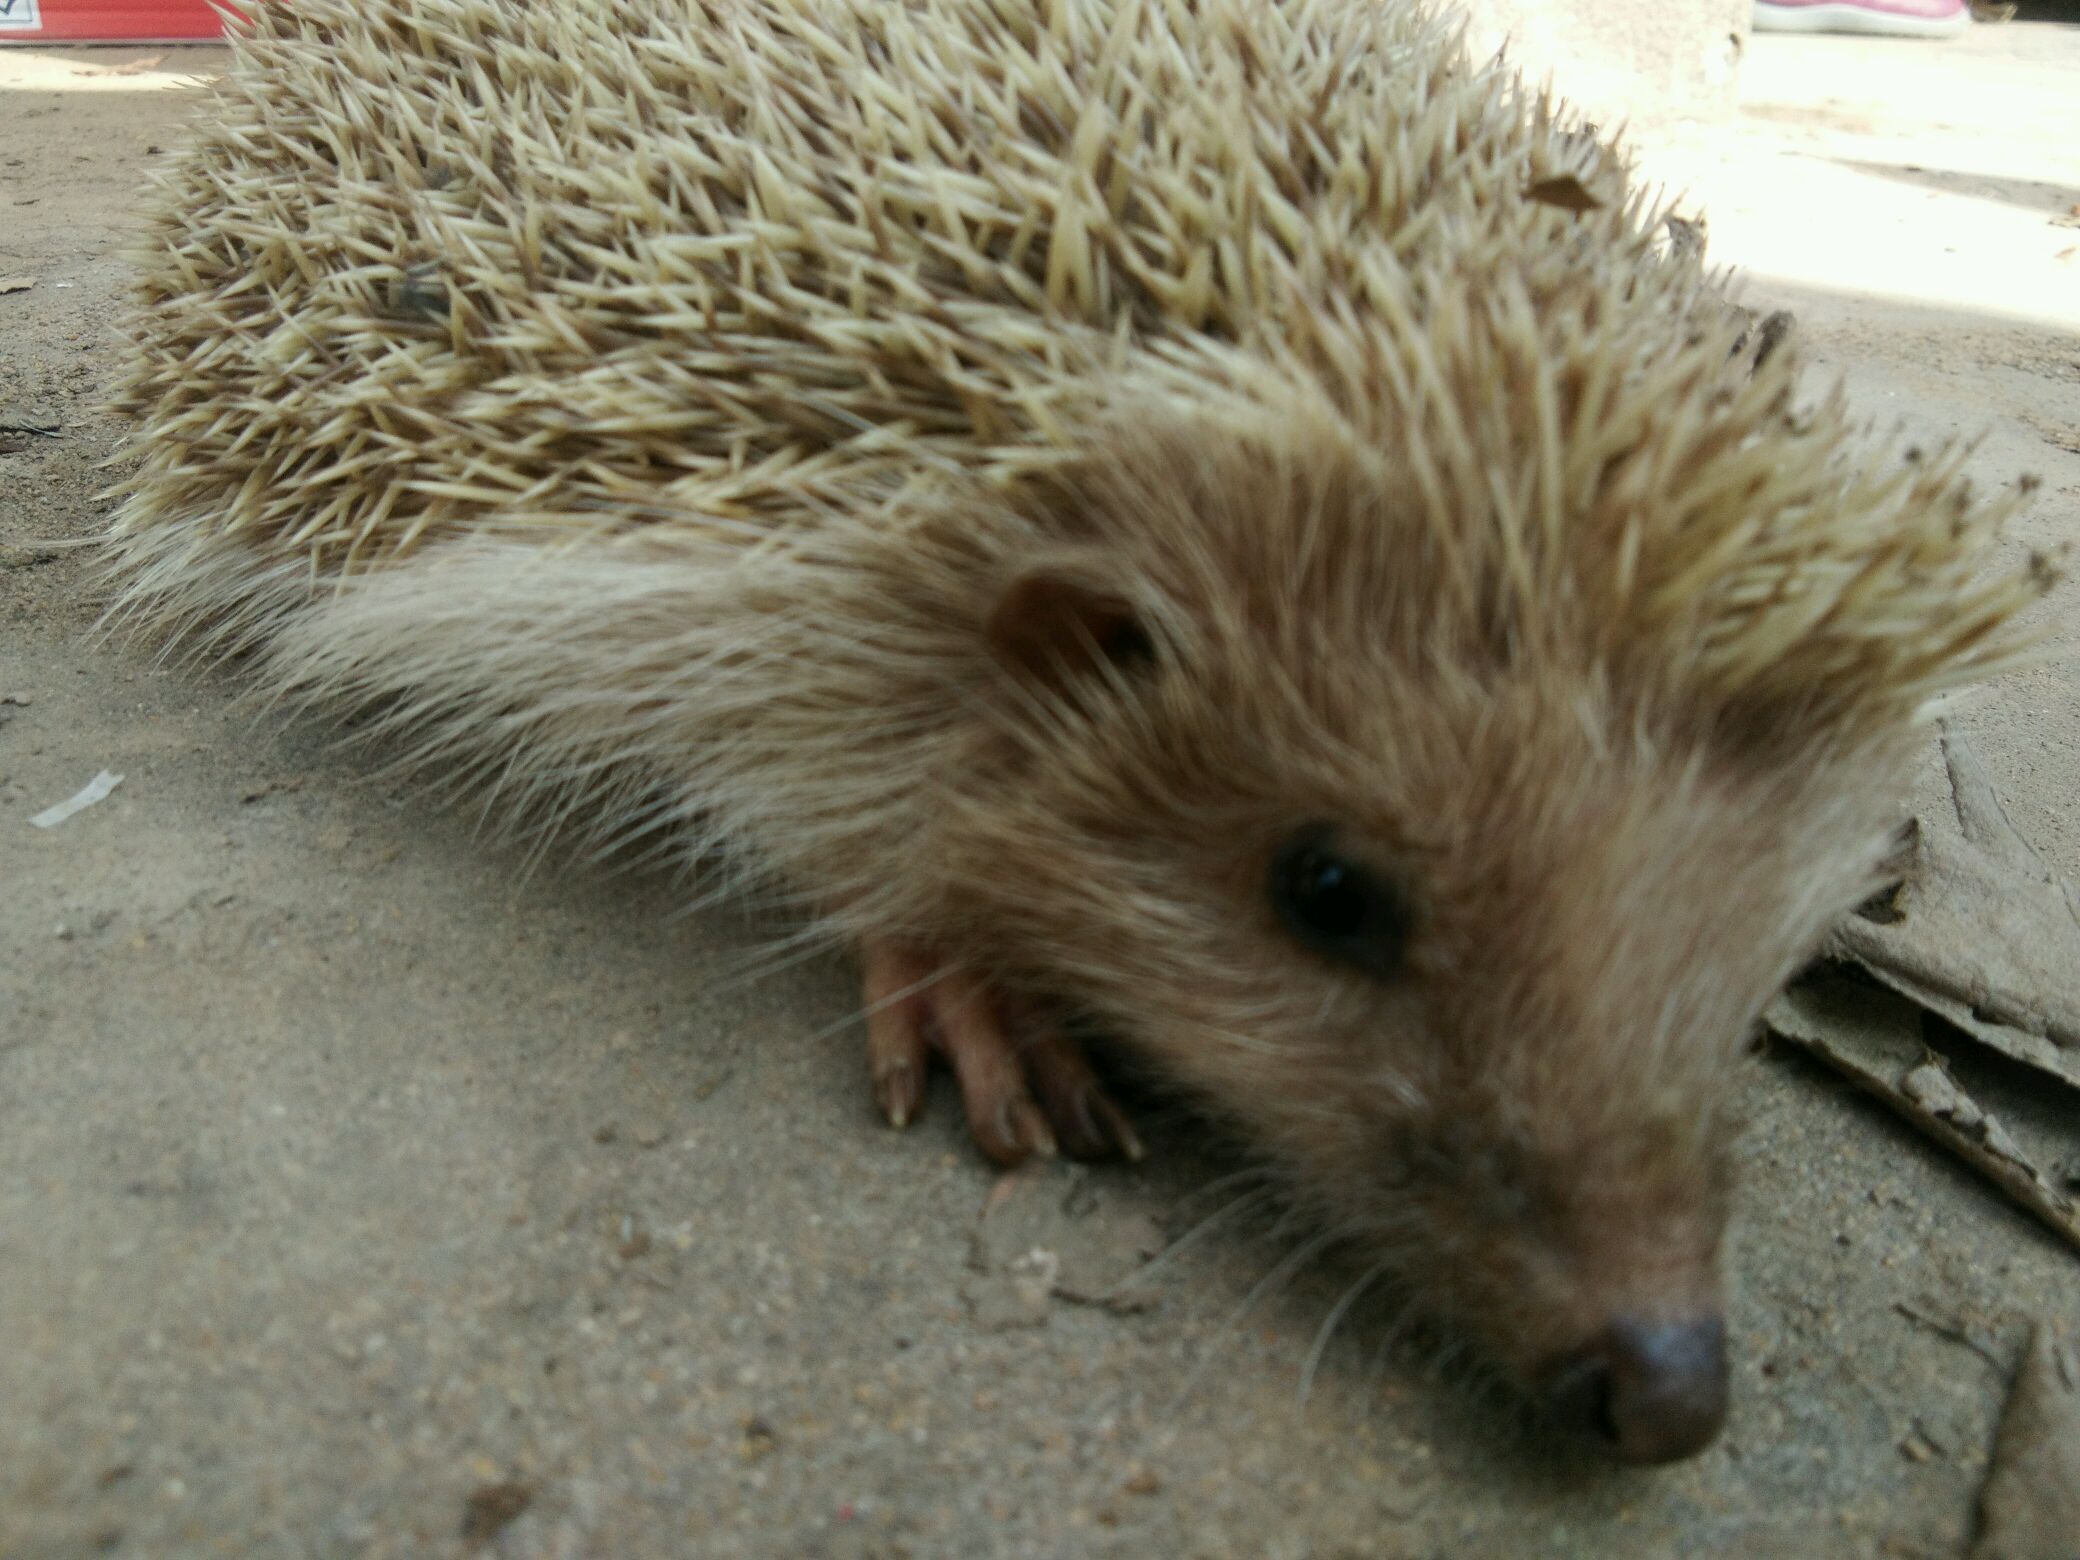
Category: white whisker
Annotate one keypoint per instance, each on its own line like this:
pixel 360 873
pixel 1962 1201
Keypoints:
pixel 1281 1274
pixel 1328 1328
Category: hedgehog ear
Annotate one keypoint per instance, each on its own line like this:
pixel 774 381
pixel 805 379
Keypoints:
pixel 1059 623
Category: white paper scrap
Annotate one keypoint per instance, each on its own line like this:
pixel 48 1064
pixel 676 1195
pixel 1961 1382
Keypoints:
pixel 90 793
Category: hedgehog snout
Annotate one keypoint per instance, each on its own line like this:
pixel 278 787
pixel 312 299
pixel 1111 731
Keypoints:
pixel 1645 1390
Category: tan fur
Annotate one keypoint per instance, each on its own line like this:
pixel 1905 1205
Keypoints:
pixel 655 403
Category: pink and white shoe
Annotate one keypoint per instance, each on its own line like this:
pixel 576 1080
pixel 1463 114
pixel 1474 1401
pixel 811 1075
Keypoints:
pixel 1888 18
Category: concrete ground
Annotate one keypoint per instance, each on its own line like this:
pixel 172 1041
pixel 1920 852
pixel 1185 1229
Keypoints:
pixel 363 1193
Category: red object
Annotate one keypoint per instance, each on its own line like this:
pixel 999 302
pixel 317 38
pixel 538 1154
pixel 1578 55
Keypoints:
pixel 109 21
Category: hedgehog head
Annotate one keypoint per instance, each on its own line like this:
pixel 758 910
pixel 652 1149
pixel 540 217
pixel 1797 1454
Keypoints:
pixel 1453 872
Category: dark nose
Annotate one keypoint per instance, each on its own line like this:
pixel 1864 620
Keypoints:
pixel 1646 1391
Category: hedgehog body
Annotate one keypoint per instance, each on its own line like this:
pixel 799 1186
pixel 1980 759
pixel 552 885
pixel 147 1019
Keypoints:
pixel 1135 512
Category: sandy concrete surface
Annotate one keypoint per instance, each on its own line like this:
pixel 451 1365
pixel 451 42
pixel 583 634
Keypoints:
pixel 366 1193
pixel 1645 61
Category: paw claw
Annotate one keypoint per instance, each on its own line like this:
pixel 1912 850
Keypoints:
pixel 1089 1123
pixel 1026 1092
pixel 1021 1123
pixel 899 1091
pixel 1108 1124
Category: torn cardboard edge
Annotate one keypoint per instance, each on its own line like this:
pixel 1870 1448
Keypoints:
pixel 1978 928
pixel 1872 1037
pixel 2029 1504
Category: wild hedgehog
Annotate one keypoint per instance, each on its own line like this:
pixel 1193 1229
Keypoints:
pixel 1143 516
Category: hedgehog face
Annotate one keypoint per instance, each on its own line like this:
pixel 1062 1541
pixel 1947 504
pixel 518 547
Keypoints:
pixel 1529 1035
pixel 1468 946
pixel 1476 974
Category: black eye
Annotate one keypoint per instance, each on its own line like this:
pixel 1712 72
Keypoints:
pixel 1336 907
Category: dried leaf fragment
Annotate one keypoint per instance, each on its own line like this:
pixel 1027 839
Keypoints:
pixel 1566 191
pixel 418 292
pixel 1686 237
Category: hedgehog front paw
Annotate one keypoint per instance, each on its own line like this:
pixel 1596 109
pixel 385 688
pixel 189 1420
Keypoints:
pixel 1027 1088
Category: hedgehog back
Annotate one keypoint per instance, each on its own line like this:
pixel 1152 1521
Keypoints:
pixel 440 263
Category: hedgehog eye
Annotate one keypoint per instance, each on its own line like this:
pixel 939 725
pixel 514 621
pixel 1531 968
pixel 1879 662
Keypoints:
pixel 1341 910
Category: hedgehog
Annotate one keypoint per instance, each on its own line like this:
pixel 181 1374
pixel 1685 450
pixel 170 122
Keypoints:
pixel 1188 537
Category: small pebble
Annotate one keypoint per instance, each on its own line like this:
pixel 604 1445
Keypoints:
pixel 492 1508
pixel 759 1438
